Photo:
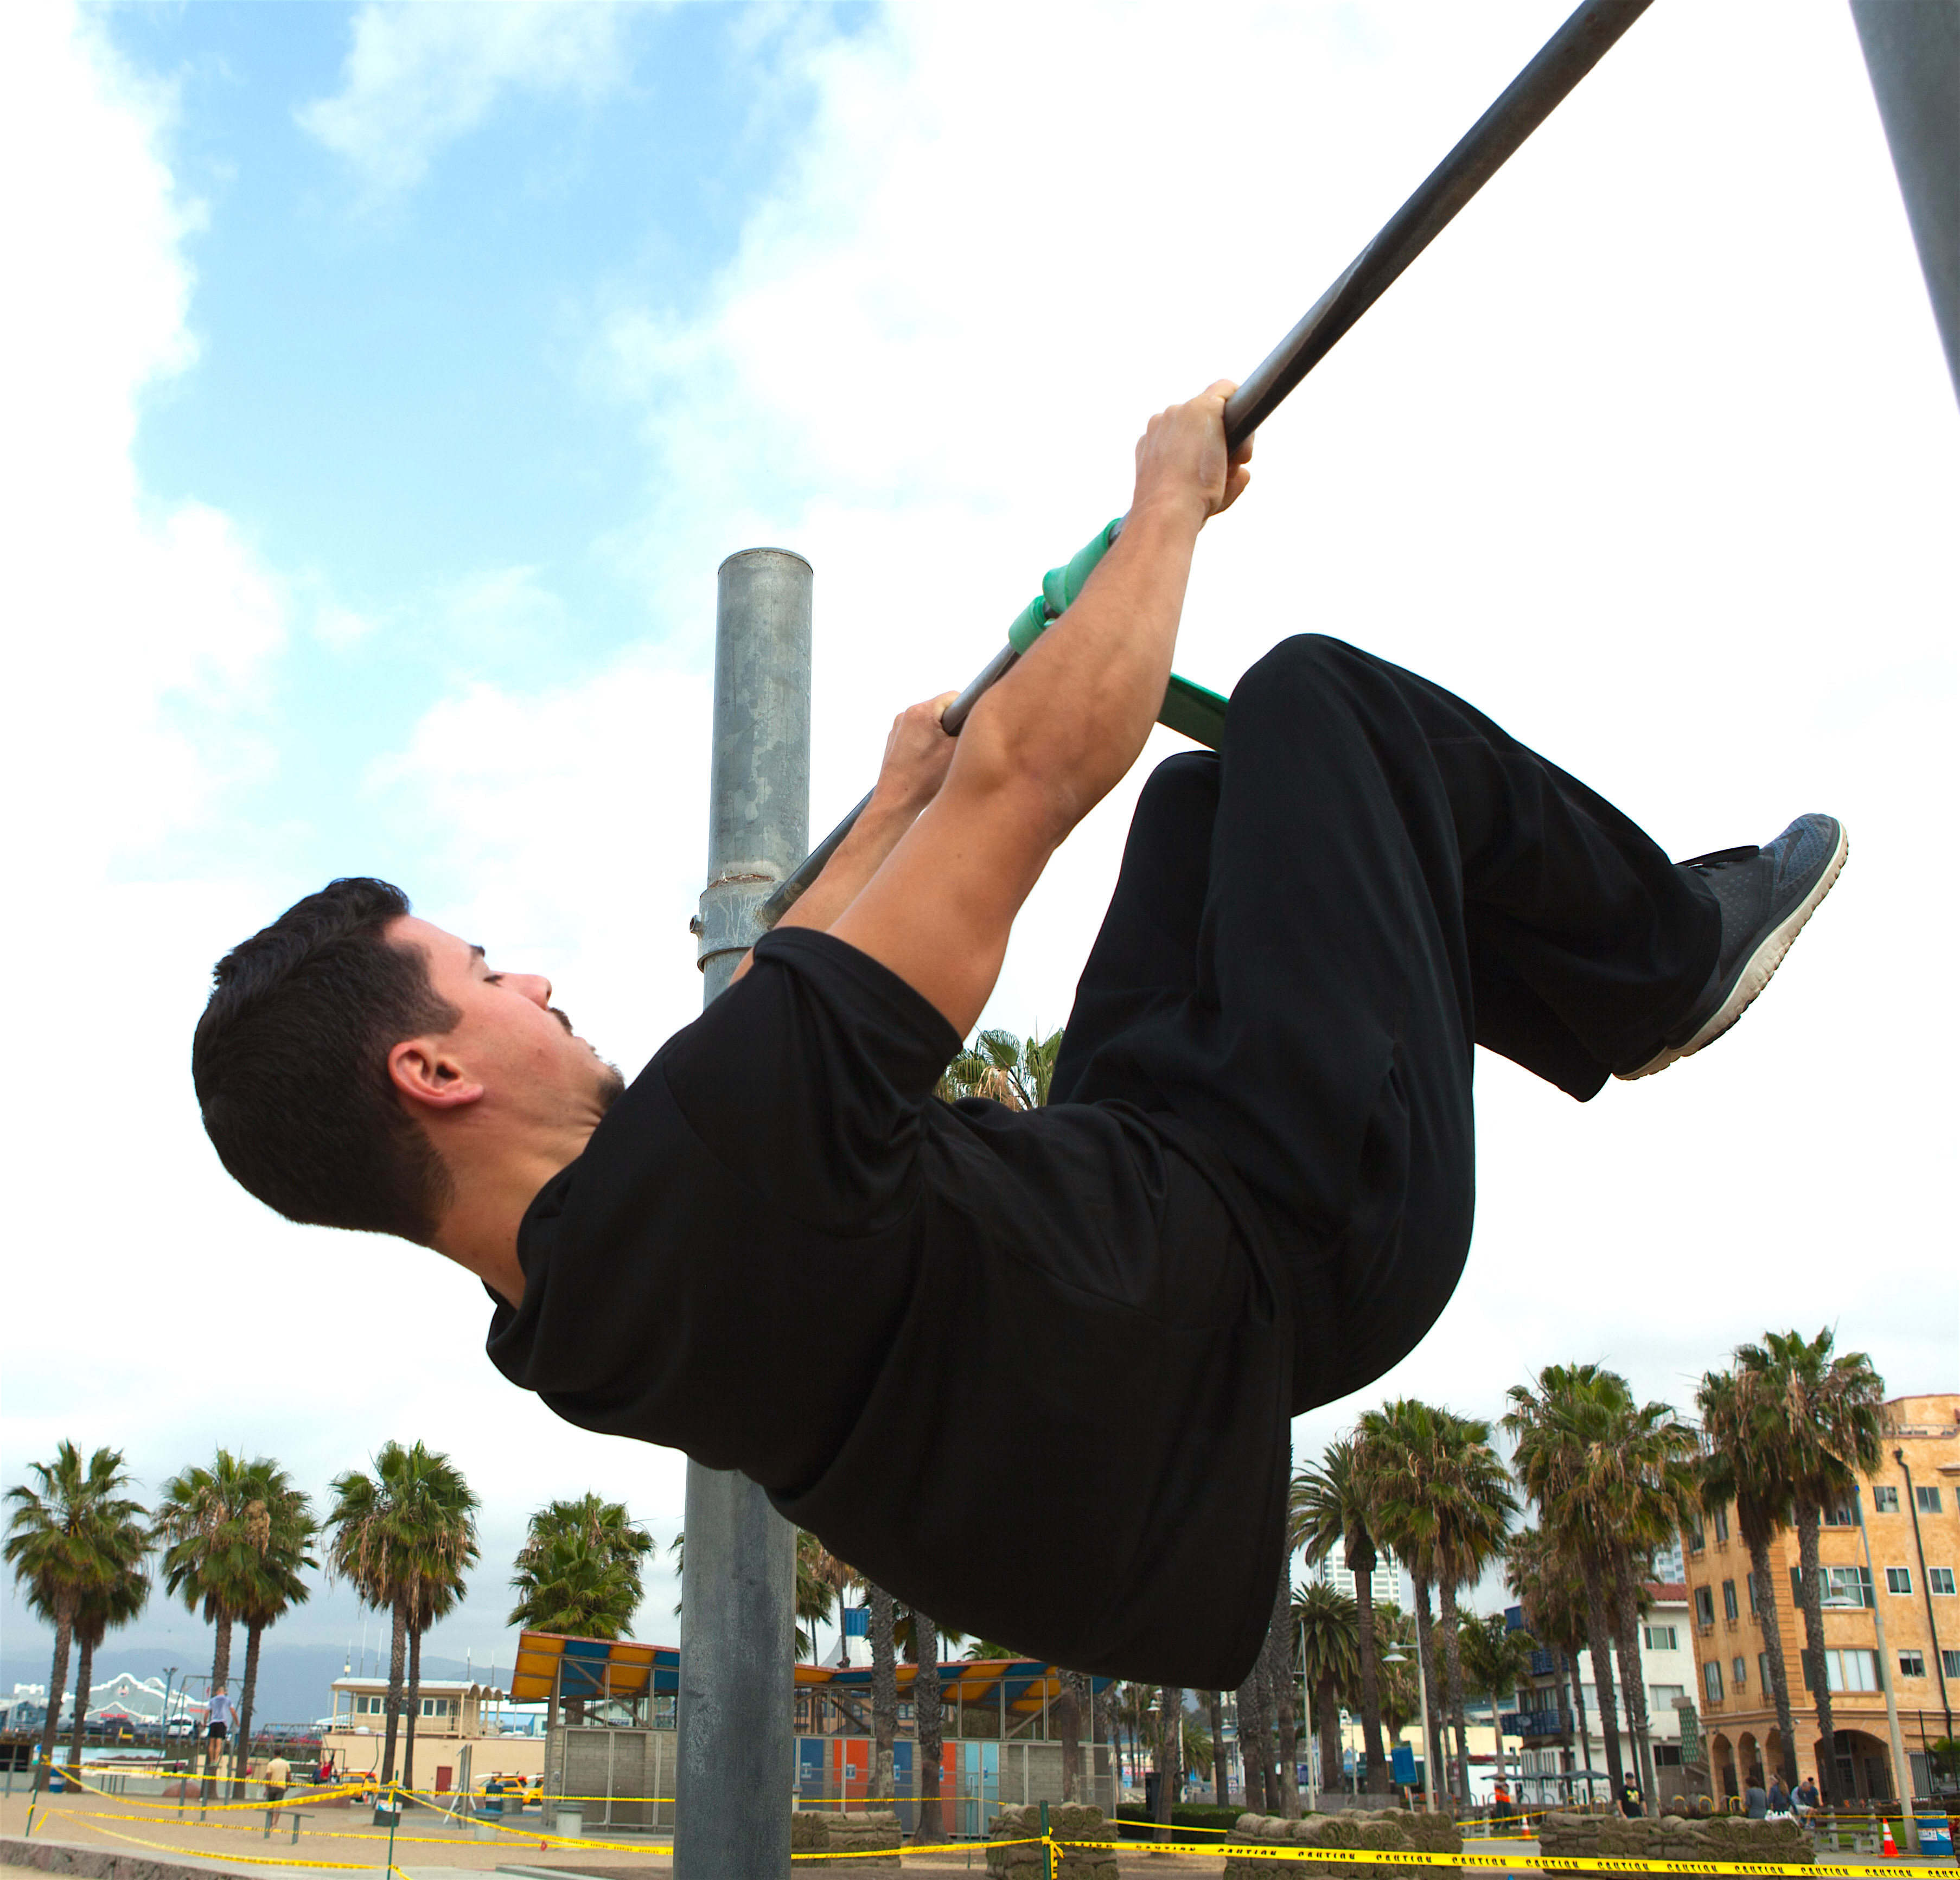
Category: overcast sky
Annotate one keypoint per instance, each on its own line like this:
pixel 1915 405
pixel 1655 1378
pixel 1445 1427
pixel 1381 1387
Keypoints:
pixel 385 384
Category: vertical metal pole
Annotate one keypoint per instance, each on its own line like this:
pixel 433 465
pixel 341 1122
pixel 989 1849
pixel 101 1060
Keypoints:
pixel 1912 52
pixel 738 1645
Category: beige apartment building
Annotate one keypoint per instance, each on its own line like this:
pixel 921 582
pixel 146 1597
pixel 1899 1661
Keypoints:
pixel 1911 1508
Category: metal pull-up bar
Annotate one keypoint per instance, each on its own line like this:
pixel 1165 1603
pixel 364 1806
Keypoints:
pixel 1530 98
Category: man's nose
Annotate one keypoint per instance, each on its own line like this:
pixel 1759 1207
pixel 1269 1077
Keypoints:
pixel 536 988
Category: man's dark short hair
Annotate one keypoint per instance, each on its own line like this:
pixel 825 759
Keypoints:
pixel 290 1063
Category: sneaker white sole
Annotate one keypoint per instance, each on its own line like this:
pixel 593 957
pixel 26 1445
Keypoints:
pixel 1757 973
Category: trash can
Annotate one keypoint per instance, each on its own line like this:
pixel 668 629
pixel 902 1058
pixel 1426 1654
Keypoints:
pixel 1935 1835
pixel 570 1823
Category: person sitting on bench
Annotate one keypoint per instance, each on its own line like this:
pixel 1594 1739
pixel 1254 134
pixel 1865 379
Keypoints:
pixel 1032 1371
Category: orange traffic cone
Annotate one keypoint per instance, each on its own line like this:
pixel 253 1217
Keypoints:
pixel 1889 1847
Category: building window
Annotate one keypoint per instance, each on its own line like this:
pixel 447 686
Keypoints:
pixel 1763 1671
pixel 1926 1500
pixel 1851 1671
pixel 1661 1638
pixel 1950 1662
pixel 1750 1581
pixel 1697 1539
pixel 1711 1679
pixel 1847 1586
pixel 1739 1674
pixel 371 1706
pixel 1912 1664
pixel 1704 1606
pixel 1721 1523
pixel 1940 1579
pixel 1664 1697
pixel 1884 1501
pixel 1728 1601
pixel 1897 1580
pixel 1840 1516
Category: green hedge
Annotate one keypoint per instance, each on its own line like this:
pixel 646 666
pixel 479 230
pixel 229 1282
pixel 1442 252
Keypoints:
pixel 1136 1823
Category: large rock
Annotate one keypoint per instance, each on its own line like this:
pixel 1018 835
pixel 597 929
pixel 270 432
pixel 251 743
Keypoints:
pixel 1728 1837
pixel 1066 1821
pixel 1396 1831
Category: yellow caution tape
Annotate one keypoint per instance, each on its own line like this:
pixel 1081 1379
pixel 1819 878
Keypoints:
pixel 1590 1863
pixel 248 1860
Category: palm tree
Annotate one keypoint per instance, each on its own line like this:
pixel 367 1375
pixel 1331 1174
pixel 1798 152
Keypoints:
pixel 278 1529
pixel 1329 1508
pixel 210 1558
pixel 1742 1464
pixel 1220 1788
pixel 1826 1417
pixel 820 1578
pixel 1169 1755
pixel 1497 1660
pixel 1402 1447
pixel 1471 1489
pixel 928 1727
pixel 1278 1654
pixel 1012 1070
pixel 1548 1581
pixel 1328 1626
pixel 1255 1733
pixel 579 1570
pixel 881 1625
pixel 403 1536
pixel 102 1607
pixel 72 1536
pixel 1564 1429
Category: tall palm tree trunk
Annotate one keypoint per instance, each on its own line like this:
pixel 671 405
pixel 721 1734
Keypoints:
pixel 398 1650
pixel 1598 1648
pixel 57 1689
pixel 414 1703
pixel 1170 1754
pixel 1764 1584
pixel 1327 1714
pixel 1220 1778
pixel 1811 1594
pixel 1068 1720
pixel 1578 1713
pixel 85 1679
pixel 1452 1681
pixel 1633 1685
pixel 879 1622
pixel 928 1726
pixel 241 1762
pixel 1376 1782
pixel 221 1680
pixel 1432 1727
pixel 1285 1698
pixel 1255 1729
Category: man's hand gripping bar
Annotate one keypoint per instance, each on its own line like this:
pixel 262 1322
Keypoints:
pixel 1530 98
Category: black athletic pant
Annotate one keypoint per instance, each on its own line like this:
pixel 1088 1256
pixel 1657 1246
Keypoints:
pixel 1311 928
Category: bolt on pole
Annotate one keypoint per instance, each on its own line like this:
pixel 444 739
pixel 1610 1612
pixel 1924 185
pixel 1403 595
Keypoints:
pixel 737 1766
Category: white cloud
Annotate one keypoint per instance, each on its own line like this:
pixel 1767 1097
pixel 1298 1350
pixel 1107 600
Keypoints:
pixel 418 77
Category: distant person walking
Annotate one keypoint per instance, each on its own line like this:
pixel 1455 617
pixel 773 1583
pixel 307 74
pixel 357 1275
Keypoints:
pixel 278 1777
pixel 1630 1803
pixel 1755 1798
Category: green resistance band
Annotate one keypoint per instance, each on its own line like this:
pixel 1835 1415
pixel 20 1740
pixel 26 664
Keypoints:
pixel 1194 710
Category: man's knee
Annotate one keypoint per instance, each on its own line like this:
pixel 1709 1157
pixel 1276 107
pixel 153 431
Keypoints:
pixel 1301 674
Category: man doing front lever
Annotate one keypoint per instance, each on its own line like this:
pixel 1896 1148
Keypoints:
pixel 1031 1371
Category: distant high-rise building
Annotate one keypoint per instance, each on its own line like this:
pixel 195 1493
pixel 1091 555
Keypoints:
pixel 1669 1566
pixel 1384 1583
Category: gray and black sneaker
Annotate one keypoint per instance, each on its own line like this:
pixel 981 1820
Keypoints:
pixel 1765 894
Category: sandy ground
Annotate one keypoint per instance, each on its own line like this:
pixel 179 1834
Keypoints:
pixel 426 1846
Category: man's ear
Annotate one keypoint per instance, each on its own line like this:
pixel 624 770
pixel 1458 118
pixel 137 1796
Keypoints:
pixel 429 1077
